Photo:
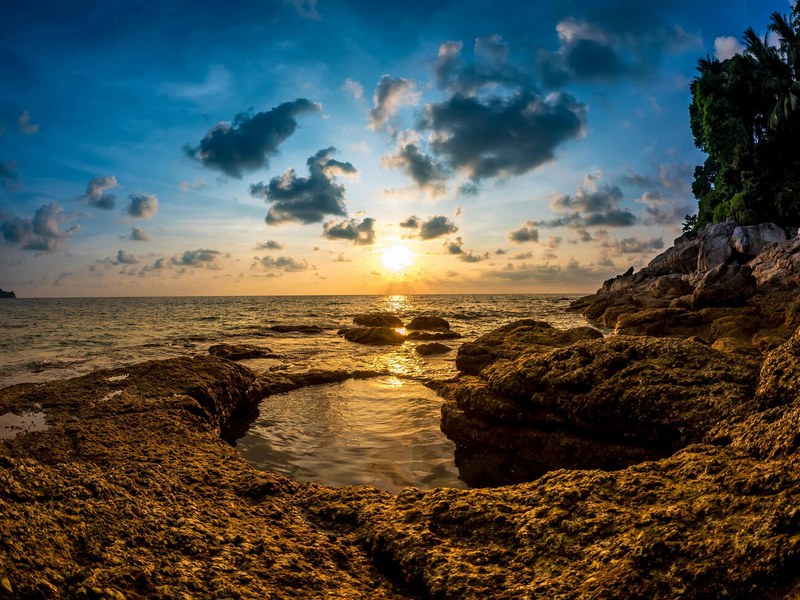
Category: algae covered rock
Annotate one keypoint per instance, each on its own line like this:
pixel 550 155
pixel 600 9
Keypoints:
pixel 432 348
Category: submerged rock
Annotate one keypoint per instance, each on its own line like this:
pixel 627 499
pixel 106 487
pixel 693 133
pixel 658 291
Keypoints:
pixel 378 320
pixel 378 336
pixel 432 348
pixel 306 329
pixel 241 351
pixel 433 335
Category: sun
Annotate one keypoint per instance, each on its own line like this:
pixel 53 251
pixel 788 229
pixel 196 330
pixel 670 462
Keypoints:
pixel 397 258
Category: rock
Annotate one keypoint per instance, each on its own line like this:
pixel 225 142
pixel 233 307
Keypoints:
pixel 305 329
pixel 241 351
pixel 432 335
pixel 751 240
pixel 378 320
pixel 715 246
pixel 379 336
pixel 778 265
pixel 680 258
pixel 432 348
pixel 661 322
pixel 7 294
pixel 428 324
pixel 725 285
pixel 511 340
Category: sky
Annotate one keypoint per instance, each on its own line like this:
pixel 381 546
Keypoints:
pixel 347 146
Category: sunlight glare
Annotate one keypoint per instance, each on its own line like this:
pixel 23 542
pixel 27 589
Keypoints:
pixel 397 258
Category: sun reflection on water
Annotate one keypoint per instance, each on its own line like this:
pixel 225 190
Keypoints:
pixel 398 363
pixel 396 303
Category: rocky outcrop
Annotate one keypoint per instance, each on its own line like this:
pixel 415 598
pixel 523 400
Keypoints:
pixel 376 336
pixel 378 320
pixel 7 294
pixel 779 265
pixel 513 339
pixel 724 285
pixel 428 323
pixel 241 351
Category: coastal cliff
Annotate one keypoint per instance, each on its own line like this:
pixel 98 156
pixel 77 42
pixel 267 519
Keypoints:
pixel 659 461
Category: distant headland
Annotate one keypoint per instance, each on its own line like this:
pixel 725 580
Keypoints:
pixel 5 294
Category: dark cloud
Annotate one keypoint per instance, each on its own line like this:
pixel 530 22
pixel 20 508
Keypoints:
pixel 523 256
pixel 96 194
pixel 662 210
pixel 633 245
pixel 284 263
pixel 247 143
pixel 9 175
pixel 270 245
pixel 526 233
pixel 436 226
pixel 454 247
pixel 501 251
pixel 142 206
pixel 457 249
pixel 469 257
pixel 202 257
pixel 411 222
pixel 391 94
pixel 361 233
pixel 126 258
pixel 468 189
pixel 591 205
pixel 41 233
pixel 637 179
pixel 426 173
pixel 139 235
pixel 306 199
pixel 496 137
pixel 572 272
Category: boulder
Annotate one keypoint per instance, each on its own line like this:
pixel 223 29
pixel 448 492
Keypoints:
pixel 715 246
pixel 376 336
pixel 725 285
pixel 428 323
pixel 433 335
pixel 432 348
pixel 778 265
pixel 660 322
pixel 680 258
pixel 751 240
pixel 378 320
pixel 241 351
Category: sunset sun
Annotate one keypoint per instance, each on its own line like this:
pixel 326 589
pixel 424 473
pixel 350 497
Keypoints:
pixel 397 258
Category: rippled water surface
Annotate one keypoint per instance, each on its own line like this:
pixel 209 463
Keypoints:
pixel 381 431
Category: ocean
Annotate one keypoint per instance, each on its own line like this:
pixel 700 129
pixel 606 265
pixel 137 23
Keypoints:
pixel 381 431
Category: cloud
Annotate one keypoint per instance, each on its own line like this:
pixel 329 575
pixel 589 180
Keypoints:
pixel 411 222
pixel 526 233
pixel 142 206
pixel 633 245
pixel 41 233
pixel 591 205
pixel 270 245
pixel 192 185
pixel 139 235
pixel 360 233
pixel 436 226
pixel 662 210
pixel 391 94
pixel 497 137
pixel 306 199
pixel 96 194
pixel 354 88
pixel 126 258
pixel 454 247
pixel 572 272
pixel 307 9
pixel 202 257
pixel 523 256
pixel 457 249
pixel 284 263
pixel 490 69
pixel 25 125
pixel 341 258
pixel 423 170
pixel 726 47
pixel 9 175
pixel 248 142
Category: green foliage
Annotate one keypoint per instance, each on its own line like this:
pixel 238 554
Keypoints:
pixel 689 223
pixel 745 115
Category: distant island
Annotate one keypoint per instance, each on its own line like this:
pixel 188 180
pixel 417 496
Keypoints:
pixel 4 294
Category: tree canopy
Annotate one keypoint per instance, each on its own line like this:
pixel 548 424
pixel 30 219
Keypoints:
pixel 745 115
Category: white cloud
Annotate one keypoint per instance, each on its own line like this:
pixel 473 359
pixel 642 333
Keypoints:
pixel 726 47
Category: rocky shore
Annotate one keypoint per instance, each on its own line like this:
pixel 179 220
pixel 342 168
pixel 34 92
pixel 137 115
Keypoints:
pixel 660 461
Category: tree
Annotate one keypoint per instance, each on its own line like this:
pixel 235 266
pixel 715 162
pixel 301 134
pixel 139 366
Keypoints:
pixel 745 115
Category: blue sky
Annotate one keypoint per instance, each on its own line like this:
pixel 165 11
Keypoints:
pixel 282 147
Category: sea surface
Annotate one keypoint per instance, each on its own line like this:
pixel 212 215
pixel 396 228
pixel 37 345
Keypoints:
pixel 382 431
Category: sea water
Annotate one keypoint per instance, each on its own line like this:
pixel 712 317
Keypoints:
pixel 382 431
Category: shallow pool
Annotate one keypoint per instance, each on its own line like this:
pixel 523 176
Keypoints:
pixel 382 432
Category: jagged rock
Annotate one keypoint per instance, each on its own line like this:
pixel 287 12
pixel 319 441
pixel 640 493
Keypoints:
pixel 751 240
pixel 778 265
pixel 433 335
pixel 511 340
pixel 378 320
pixel 680 258
pixel 378 336
pixel 241 351
pixel 725 285
pixel 432 348
pixel 428 324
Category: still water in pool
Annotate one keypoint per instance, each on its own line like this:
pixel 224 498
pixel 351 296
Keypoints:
pixel 382 432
